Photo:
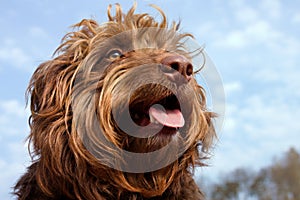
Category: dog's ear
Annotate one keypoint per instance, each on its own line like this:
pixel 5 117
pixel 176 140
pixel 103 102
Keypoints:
pixel 51 84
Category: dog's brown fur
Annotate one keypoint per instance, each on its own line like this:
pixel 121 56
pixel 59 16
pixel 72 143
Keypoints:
pixel 62 166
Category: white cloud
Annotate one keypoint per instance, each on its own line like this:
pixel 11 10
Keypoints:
pixel 38 32
pixel 13 131
pixel 246 14
pixel 272 113
pixel 14 55
pixel 232 87
pixel 255 24
pixel 257 127
pixel 12 169
pixel 13 119
pixel 289 46
pixel 267 75
pixel 261 56
pixel 230 126
pixel 237 3
pixel 261 31
pixel 206 29
pixel 272 8
pixel 235 39
pixel 13 107
pixel 257 32
pixel 296 18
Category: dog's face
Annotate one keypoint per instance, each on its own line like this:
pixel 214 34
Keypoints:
pixel 122 96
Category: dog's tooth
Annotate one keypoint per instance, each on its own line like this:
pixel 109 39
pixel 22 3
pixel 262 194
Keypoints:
pixel 153 120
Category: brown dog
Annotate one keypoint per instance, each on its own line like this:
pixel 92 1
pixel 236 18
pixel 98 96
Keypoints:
pixel 117 114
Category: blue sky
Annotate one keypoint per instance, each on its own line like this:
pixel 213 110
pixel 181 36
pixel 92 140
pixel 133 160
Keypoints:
pixel 255 45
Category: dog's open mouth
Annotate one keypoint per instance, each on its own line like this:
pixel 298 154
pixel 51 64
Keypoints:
pixel 165 112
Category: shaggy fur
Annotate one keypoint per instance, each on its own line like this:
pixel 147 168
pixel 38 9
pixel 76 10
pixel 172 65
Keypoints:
pixel 63 168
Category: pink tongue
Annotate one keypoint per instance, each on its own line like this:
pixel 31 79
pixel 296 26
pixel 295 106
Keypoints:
pixel 170 118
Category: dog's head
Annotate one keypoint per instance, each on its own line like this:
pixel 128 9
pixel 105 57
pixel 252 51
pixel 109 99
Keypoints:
pixel 120 103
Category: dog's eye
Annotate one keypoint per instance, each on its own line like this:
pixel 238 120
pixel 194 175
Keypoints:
pixel 114 54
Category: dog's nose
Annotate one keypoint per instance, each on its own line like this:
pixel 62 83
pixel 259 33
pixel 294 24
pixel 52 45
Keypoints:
pixel 173 64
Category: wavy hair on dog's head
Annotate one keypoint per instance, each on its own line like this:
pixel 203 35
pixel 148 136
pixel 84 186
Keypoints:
pixel 61 161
